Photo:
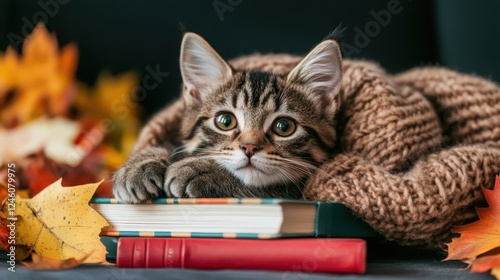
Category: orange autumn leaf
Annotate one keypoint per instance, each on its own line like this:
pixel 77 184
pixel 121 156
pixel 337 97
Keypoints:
pixel 481 236
pixel 40 82
pixel 485 263
pixel 46 263
pixel 9 67
pixel 479 242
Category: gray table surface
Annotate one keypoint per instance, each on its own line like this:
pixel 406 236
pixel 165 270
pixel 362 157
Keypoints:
pixel 388 269
pixel 383 263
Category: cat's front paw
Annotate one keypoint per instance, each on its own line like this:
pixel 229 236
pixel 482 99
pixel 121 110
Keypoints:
pixel 142 177
pixel 195 177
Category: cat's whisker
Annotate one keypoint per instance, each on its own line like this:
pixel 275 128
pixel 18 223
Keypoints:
pixel 216 157
pixel 305 168
pixel 287 178
pixel 202 151
pixel 317 171
pixel 304 185
pixel 300 166
pixel 177 151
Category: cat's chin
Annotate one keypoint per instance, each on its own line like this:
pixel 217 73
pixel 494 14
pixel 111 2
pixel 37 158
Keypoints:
pixel 254 177
pixel 256 173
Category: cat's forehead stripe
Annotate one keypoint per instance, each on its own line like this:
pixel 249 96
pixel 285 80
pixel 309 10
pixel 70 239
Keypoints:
pixel 259 82
pixel 247 89
pixel 277 102
pixel 256 88
pixel 235 100
pixel 270 88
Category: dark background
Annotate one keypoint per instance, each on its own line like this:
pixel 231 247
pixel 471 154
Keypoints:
pixel 130 34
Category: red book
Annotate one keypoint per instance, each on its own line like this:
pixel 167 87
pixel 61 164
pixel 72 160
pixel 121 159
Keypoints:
pixel 334 255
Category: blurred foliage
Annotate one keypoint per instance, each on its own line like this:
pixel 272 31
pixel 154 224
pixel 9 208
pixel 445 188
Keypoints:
pixel 53 126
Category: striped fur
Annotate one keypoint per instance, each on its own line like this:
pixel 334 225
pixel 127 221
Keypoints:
pixel 257 99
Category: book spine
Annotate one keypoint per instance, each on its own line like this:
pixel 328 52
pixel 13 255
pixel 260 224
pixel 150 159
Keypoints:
pixel 336 220
pixel 111 244
pixel 332 255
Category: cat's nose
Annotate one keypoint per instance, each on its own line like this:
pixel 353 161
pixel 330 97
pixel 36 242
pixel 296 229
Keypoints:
pixel 249 149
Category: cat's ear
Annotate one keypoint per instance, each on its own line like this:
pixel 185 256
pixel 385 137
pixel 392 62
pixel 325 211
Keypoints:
pixel 320 73
pixel 202 68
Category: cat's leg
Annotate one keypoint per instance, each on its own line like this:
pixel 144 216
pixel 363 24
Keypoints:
pixel 163 128
pixel 141 178
pixel 197 177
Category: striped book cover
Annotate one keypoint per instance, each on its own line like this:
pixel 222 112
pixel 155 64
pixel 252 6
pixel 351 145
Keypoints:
pixel 252 218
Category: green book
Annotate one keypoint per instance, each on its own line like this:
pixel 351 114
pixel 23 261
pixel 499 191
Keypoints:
pixel 231 218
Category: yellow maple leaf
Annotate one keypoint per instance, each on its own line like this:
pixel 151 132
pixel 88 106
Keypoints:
pixel 58 223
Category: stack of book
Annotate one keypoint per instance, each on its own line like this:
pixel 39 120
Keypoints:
pixel 228 233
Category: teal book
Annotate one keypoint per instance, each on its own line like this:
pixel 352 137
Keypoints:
pixel 111 243
pixel 230 218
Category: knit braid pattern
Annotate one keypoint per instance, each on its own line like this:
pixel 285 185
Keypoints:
pixel 415 148
pixel 468 106
pixel 390 126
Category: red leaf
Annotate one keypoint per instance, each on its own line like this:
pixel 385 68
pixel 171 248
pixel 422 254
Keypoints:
pixel 4 237
pixel 45 171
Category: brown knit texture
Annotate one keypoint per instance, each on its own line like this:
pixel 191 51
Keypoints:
pixel 416 147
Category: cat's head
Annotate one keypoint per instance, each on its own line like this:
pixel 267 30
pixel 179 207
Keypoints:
pixel 266 129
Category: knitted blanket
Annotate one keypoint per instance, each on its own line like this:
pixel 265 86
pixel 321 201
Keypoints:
pixel 415 148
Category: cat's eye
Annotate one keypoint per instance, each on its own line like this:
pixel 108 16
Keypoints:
pixel 284 127
pixel 225 121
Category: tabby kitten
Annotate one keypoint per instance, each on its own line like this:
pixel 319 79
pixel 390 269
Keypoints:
pixel 245 133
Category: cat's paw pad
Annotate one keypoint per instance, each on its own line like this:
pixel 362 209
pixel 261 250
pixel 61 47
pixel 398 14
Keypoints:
pixel 191 178
pixel 140 180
